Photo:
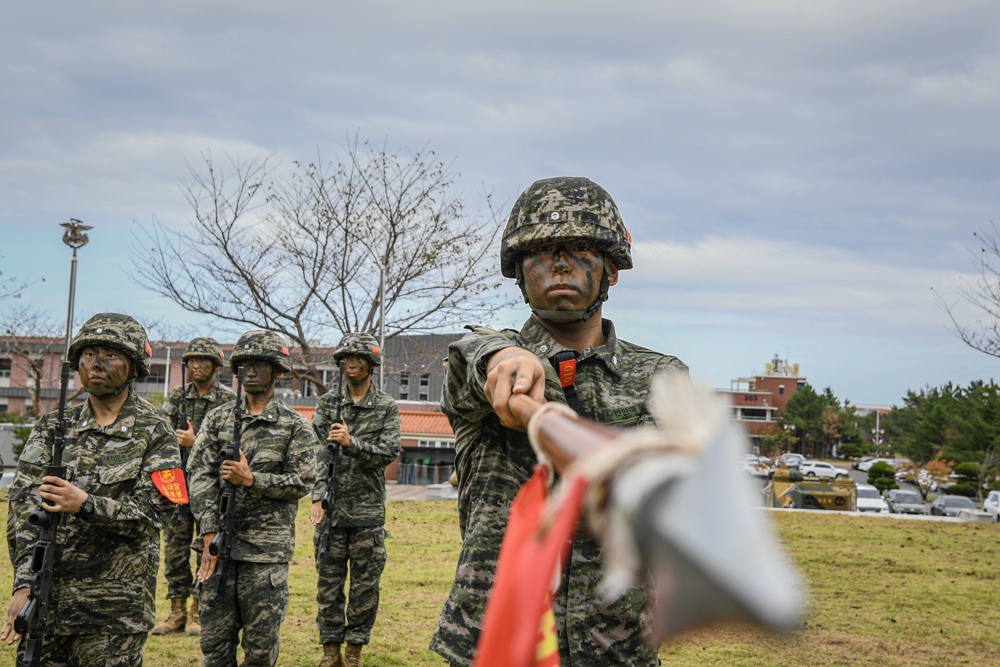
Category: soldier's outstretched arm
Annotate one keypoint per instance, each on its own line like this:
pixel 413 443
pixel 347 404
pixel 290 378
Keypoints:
pixel 299 471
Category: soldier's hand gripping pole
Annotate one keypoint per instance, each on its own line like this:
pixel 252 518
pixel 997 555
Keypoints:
pixel 222 543
pixel 183 511
pixel 33 617
pixel 330 497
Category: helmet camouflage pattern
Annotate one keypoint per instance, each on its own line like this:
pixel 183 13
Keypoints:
pixel 205 347
pixel 117 331
pixel 361 344
pixel 260 344
pixel 565 209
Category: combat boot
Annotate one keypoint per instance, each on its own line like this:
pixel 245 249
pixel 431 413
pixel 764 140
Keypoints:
pixel 331 656
pixel 193 626
pixel 352 655
pixel 178 617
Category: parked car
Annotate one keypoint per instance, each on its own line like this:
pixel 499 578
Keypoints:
pixel 755 467
pixel 870 500
pixel 992 504
pixel 867 465
pixel 791 460
pixel 822 469
pixel 858 462
pixel 952 505
pixel 901 501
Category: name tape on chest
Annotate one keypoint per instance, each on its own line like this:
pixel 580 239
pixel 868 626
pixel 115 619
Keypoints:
pixel 171 484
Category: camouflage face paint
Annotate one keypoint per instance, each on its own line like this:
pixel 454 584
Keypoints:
pixel 200 369
pixel 356 368
pixel 103 370
pixel 258 376
pixel 562 277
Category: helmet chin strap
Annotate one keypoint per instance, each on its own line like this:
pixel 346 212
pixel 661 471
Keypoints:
pixel 569 315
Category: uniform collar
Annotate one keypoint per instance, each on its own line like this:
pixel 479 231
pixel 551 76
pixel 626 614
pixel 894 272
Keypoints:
pixel 122 426
pixel 191 391
pixel 546 346
pixel 270 413
pixel 366 401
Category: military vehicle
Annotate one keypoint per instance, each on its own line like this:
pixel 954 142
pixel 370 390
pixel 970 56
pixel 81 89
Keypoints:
pixel 790 488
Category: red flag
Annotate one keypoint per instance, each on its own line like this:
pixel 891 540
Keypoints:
pixel 518 625
pixel 171 484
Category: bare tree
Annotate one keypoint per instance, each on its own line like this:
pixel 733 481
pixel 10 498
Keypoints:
pixel 300 255
pixel 28 337
pixel 11 287
pixel 983 293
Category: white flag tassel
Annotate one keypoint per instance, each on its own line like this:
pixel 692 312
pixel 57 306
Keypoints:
pixel 673 500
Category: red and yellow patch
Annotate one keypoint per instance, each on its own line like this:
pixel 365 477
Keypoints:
pixel 149 350
pixel 567 372
pixel 284 351
pixel 374 350
pixel 171 484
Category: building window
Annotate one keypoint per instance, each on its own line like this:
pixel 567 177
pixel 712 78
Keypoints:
pixel 781 390
pixel 157 375
pixel 404 386
pixel 801 383
pixel 425 381
pixel 4 368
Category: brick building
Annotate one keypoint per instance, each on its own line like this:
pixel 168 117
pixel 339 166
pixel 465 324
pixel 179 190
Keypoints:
pixel 758 400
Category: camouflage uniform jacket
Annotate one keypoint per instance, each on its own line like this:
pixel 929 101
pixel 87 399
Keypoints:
pixel 197 406
pixel 106 564
pixel 281 451
pixel 374 425
pixel 493 462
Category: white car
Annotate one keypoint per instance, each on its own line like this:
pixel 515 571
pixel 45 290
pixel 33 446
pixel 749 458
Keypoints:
pixel 867 465
pixel 755 467
pixel 822 469
pixel 870 500
pixel 992 504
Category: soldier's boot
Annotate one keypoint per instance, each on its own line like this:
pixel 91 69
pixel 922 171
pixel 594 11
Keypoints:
pixel 178 617
pixel 193 626
pixel 352 655
pixel 331 656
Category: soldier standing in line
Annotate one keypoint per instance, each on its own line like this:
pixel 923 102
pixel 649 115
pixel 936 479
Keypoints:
pixel 277 466
pixel 564 243
pixel 103 598
pixel 202 357
pixel 369 441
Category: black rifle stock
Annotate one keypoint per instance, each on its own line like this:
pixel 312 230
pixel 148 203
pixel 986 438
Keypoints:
pixel 182 421
pixel 222 543
pixel 32 620
pixel 330 497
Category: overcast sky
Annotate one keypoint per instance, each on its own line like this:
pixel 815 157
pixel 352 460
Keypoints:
pixel 796 176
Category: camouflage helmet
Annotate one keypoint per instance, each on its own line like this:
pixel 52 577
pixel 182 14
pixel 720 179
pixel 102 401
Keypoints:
pixel 114 330
pixel 260 344
pixel 208 348
pixel 566 209
pixel 361 344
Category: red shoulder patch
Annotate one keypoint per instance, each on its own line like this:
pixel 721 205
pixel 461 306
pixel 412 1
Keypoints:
pixel 171 484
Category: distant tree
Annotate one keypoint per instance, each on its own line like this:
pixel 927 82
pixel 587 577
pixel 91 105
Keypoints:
pixel 928 476
pixel 805 411
pixel 983 293
pixel 300 255
pixel 28 338
pixel 853 449
pixel 11 287
pixel 882 476
pixel 776 442
pixel 923 427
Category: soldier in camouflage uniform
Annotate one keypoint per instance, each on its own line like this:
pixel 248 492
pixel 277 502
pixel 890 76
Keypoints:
pixel 105 571
pixel 203 357
pixel 277 466
pixel 369 441
pixel 564 244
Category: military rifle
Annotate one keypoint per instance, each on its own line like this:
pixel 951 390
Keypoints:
pixel 183 511
pixel 222 543
pixel 33 617
pixel 330 497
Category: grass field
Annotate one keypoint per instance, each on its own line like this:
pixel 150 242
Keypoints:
pixel 883 592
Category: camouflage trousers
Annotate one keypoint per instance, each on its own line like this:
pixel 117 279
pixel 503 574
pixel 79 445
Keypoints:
pixel 90 650
pixel 362 551
pixel 255 601
pixel 178 532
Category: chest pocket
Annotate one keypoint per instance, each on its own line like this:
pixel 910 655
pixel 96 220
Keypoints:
pixel 269 458
pixel 120 465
